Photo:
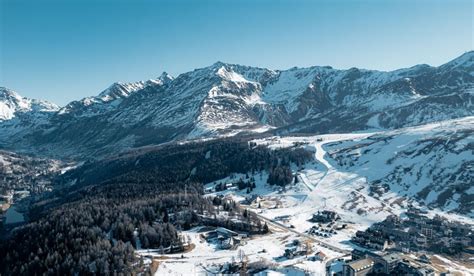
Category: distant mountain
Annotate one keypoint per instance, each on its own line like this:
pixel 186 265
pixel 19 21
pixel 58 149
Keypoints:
pixel 226 99
pixel 20 115
pixel 110 98
pixel 13 105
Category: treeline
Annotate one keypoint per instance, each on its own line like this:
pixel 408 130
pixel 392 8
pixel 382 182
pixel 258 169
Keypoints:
pixel 280 175
pixel 187 163
pixel 118 205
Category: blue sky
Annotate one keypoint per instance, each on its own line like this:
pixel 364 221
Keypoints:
pixel 69 49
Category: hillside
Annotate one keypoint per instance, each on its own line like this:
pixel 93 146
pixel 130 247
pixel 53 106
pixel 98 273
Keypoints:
pixel 433 164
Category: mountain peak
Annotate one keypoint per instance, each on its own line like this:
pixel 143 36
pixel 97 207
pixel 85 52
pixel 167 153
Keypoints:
pixel 230 75
pixel 11 103
pixel 165 78
pixel 466 60
pixel 6 93
pixel 218 64
pixel 120 90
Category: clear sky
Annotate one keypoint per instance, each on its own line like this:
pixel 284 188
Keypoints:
pixel 69 49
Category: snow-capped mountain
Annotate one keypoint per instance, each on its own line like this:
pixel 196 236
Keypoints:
pixel 225 99
pixel 13 105
pixel 19 114
pixel 110 98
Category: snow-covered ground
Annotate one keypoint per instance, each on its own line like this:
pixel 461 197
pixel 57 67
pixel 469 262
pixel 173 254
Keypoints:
pixel 327 188
pixel 324 184
pixel 205 257
pixel 298 203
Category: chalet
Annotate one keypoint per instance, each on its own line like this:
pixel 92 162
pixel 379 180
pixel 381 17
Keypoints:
pixel 321 231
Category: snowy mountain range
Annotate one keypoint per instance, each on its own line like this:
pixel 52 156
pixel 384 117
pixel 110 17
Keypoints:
pixel 226 99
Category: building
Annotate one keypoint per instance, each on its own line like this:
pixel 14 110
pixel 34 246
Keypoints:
pixel 358 267
pixel 296 251
pixel 226 232
pixel 408 268
pixel 427 231
pixel 225 238
pixel 320 256
pixel 383 263
pixel 325 216
pixel 388 263
pixel 225 242
pixel 253 199
pixel 424 259
pixel 373 239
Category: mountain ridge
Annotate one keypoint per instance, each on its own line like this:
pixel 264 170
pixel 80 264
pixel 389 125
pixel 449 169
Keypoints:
pixel 226 99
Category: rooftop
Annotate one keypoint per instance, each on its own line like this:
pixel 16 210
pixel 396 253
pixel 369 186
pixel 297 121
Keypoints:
pixel 392 257
pixel 361 264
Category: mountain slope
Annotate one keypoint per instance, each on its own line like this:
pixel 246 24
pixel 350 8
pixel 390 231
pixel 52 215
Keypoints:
pixel 433 163
pixel 226 99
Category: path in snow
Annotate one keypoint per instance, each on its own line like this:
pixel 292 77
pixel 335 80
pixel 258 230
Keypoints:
pixel 320 153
